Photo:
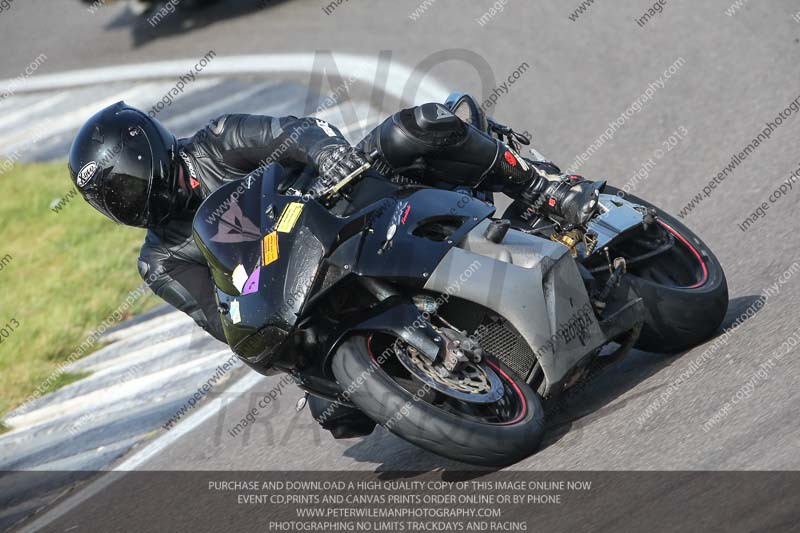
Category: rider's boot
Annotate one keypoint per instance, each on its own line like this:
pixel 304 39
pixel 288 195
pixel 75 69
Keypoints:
pixel 433 141
pixel 343 422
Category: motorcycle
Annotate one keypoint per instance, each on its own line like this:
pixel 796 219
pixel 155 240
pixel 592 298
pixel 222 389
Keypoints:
pixel 443 324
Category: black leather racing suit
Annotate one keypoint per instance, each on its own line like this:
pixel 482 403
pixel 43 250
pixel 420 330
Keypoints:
pixel 229 148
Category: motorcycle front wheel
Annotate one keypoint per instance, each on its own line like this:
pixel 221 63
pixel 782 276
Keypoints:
pixel 497 433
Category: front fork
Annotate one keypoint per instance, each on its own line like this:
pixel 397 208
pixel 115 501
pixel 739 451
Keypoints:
pixel 455 349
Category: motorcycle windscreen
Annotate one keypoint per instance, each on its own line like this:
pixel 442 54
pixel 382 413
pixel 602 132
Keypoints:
pixel 263 261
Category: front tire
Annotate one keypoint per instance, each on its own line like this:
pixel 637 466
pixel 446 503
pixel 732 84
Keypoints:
pixel 462 438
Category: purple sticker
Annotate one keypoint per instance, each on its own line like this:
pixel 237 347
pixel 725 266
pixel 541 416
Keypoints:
pixel 251 285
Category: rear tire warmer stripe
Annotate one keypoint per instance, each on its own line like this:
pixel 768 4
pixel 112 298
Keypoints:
pixel 694 251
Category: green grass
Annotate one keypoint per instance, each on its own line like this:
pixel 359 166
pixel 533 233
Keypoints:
pixel 69 271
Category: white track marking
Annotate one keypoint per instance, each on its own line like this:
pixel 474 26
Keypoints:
pixel 165 322
pixel 137 356
pixel 362 68
pixel 204 113
pixel 19 138
pixel 23 113
pixel 244 384
pixel 115 392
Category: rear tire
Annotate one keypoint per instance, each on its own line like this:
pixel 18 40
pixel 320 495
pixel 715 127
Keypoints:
pixel 678 318
pixel 378 395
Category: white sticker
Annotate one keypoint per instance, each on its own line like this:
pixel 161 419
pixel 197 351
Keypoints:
pixel 239 277
pixel 86 173
pixel 326 128
pixel 189 164
pixel 236 316
pixel 391 231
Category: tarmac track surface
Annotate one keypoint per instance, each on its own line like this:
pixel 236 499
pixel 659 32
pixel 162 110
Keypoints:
pixel 736 73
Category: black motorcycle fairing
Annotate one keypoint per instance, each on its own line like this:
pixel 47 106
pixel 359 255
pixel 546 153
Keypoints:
pixel 240 226
pixel 411 235
pixel 401 238
pixel 282 242
pixel 226 231
pixel 396 316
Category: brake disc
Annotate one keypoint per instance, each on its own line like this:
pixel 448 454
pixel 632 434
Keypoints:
pixel 474 383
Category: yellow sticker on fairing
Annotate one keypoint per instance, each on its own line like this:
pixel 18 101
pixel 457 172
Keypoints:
pixel 269 248
pixel 289 217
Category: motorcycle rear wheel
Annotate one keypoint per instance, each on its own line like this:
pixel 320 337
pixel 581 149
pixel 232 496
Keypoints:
pixel 684 305
pixel 684 289
pixel 464 433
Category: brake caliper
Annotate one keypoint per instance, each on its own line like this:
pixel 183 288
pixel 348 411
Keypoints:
pixel 459 350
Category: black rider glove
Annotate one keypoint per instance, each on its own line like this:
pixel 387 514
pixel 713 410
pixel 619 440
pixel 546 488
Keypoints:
pixel 334 163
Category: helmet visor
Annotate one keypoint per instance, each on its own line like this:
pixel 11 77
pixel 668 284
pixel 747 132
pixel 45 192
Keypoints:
pixel 126 195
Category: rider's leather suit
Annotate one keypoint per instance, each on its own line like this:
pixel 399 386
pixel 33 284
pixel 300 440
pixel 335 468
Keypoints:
pixel 229 148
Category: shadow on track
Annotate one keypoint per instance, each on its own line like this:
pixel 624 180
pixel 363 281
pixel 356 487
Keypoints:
pixel 399 459
pixel 186 19
pixel 590 400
